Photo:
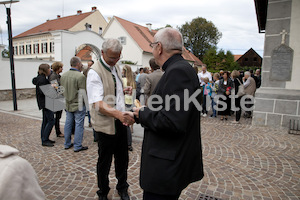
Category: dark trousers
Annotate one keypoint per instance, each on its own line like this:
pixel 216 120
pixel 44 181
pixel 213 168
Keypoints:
pixel 57 118
pixel 204 111
pixel 250 105
pixel 47 124
pixel 109 145
pixel 152 196
pixel 239 111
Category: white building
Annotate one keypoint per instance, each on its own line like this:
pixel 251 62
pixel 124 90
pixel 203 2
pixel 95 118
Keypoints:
pixel 136 40
pixel 40 42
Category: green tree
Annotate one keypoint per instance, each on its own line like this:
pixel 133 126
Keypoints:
pixel 199 35
pixel 219 60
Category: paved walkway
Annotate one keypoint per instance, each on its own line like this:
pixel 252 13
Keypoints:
pixel 240 161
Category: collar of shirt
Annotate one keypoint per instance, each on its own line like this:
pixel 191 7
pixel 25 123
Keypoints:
pixel 72 68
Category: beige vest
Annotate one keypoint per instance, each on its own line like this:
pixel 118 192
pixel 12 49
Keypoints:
pixel 101 122
pixel 250 90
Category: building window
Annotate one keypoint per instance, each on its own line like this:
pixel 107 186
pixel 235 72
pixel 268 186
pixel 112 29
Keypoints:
pixel 122 40
pixel 15 50
pixel 28 49
pixel 100 30
pixel 246 59
pixel 255 59
pixel 44 47
pixel 36 48
pixel 51 47
pixel 88 26
pixel 21 50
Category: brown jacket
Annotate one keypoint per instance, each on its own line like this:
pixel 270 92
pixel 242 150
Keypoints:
pixel 151 82
pixel 251 88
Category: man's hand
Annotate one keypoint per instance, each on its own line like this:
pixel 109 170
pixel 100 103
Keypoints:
pixel 127 118
pixel 136 111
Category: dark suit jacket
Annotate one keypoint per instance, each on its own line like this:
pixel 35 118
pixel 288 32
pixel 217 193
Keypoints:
pixel 171 152
pixel 40 97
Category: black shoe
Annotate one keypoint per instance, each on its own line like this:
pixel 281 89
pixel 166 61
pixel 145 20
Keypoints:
pixel 51 141
pixel 47 144
pixel 60 135
pixel 81 149
pixel 103 198
pixel 124 195
pixel 130 148
pixel 69 146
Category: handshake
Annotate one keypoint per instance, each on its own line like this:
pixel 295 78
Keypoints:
pixel 127 117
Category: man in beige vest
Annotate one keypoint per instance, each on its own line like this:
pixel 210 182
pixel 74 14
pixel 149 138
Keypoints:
pixel 108 116
pixel 250 88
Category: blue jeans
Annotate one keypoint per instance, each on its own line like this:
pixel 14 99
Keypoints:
pixel 213 103
pixel 77 117
pixel 47 124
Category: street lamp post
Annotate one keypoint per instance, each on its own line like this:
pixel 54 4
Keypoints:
pixel 11 53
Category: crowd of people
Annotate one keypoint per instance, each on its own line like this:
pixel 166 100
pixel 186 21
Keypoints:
pixel 172 139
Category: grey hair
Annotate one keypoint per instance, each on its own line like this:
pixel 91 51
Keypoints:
pixel 248 73
pixel 170 38
pixel 112 44
pixel 74 61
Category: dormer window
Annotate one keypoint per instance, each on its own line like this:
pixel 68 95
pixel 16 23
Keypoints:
pixel 88 26
pixel 122 40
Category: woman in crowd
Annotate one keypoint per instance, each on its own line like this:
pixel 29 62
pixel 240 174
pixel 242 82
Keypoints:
pixel 48 115
pixel 129 89
pixel 215 87
pixel 207 89
pixel 225 87
pixel 237 82
pixel 54 78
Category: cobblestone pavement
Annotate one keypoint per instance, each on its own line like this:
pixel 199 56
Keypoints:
pixel 240 161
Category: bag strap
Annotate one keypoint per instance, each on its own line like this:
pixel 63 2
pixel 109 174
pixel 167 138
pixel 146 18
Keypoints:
pixel 239 81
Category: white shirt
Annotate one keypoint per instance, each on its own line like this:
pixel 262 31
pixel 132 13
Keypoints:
pixel 203 75
pixel 94 86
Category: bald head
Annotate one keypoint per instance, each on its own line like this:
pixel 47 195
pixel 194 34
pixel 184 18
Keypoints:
pixel 170 38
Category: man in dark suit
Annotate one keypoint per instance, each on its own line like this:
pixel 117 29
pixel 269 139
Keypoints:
pixel 171 153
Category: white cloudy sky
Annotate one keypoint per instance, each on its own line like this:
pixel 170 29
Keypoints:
pixel 236 19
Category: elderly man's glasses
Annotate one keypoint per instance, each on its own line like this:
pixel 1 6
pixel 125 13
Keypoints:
pixel 152 44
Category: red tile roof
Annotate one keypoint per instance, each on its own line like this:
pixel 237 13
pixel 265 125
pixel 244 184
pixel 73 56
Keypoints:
pixel 63 23
pixel 143 37
pixel 85 53
pixel 236 57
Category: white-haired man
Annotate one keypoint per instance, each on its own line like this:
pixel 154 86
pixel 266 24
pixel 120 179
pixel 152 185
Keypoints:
pixel 108 116
pixel 171 152
pixel 250 88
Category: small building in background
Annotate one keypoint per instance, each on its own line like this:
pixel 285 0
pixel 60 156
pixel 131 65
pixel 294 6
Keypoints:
pixel 249 59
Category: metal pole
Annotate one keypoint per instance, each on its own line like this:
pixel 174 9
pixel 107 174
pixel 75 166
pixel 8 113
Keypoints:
pixel 11 58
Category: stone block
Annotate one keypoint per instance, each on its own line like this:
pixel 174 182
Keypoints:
pixel 273 120
pixel 271 43
pixel 286 107
pixel 281 9
pixel 266 66
pixel 286 121
pixel 263 105
pixel 259 119
pixel 276 26
pixel 269 83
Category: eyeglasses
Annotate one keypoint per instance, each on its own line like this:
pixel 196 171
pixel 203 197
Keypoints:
pixel 114 58
pixel 152 44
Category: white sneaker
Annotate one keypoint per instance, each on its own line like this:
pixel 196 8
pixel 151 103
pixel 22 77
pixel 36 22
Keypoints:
pixel 235 122
pixel 204 115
